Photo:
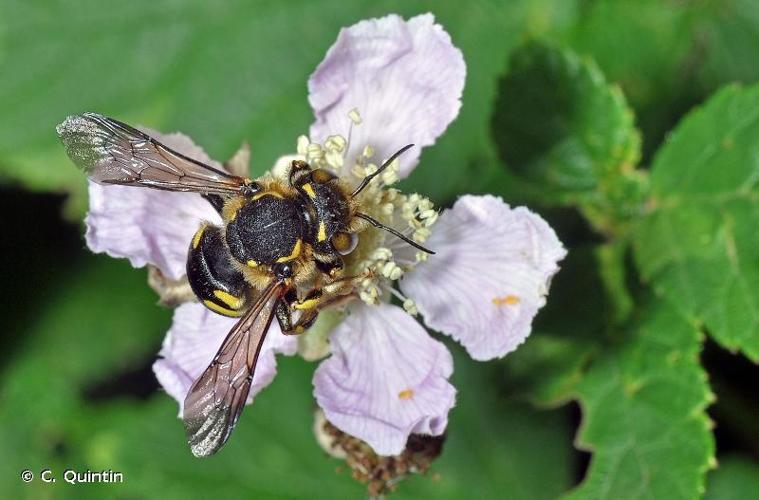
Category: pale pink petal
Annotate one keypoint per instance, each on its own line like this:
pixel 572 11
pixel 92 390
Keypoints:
pixel 192 341
pixel 490 274
pixel 405 79
pixel 148 226
pixel 386 378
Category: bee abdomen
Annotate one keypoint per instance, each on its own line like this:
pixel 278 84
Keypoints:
pixel 212 276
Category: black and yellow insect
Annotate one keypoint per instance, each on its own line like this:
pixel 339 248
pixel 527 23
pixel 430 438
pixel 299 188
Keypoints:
pixel 278 253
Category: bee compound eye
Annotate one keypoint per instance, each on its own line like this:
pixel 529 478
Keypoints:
pixel 344 243
pixel 322 176
pixel 282 270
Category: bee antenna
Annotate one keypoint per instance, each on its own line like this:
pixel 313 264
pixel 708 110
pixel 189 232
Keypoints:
pixel 376 223
pixel 365 182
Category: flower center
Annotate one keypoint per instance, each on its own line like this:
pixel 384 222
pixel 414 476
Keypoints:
pixel 381 257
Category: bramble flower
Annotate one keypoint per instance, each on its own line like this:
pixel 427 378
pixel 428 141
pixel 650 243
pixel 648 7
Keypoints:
pixel 384 83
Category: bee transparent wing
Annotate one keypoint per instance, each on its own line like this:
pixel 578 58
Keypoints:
pixel 216 399
pixel 111 152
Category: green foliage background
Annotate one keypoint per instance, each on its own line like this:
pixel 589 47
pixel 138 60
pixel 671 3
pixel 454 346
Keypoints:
pixel 633 127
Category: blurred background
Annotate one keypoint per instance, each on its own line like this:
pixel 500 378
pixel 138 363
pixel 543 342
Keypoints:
pixel 80 331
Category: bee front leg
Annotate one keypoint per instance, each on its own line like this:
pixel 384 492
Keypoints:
pixel 298 172
pixel 334 293
pixel 284 310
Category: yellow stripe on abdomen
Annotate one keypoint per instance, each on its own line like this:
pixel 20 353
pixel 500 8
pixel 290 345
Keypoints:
pixel 221 310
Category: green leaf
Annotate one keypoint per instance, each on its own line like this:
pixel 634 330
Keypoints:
pixel 186 66
pixel 222 76
pixel 644 416
pixel 102 322
pixel 698 244
pixel 734 479
pixel 559 124
pixel 652 50
pixel 729 35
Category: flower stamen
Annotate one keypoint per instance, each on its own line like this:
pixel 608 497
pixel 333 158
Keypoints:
pixel 354 116
pixel 406 394
pixel 508 300
pixel 381 256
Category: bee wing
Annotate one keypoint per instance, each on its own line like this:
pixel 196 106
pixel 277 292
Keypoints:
pixel 111 152
pixel 216 399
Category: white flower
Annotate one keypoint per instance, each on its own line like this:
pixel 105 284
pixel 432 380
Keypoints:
pixel 384 83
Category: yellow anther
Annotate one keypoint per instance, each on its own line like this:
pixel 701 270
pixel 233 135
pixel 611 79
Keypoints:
pixel 406 394
pixel 410 307
pixel 302 145
pixel 508 300
pixel 354 116
pixel 335 143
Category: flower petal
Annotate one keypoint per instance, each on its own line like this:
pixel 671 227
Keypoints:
pixel 489 276
pixel 149 226
pixel 192 341
pixel 386 378
pixel 405 79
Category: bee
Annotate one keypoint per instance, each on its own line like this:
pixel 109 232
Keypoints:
pixel 277 254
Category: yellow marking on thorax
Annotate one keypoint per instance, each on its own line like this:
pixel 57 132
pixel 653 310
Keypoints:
pixel 294 254
pixel 198 235
pixel 322 232
pixel 309 190
pixel 508 300
pixel 406 394
pixel 266 193
pixel 221 310
pixel 252 263
pixel 229 299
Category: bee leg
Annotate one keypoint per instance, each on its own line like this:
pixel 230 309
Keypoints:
pixel 171 292
pixel 343 286
pixel 330 267
pixel 216 201
pixel 333 293
pixel 305 321
pixel 284 310
pixel 298 172
pixel 284 317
